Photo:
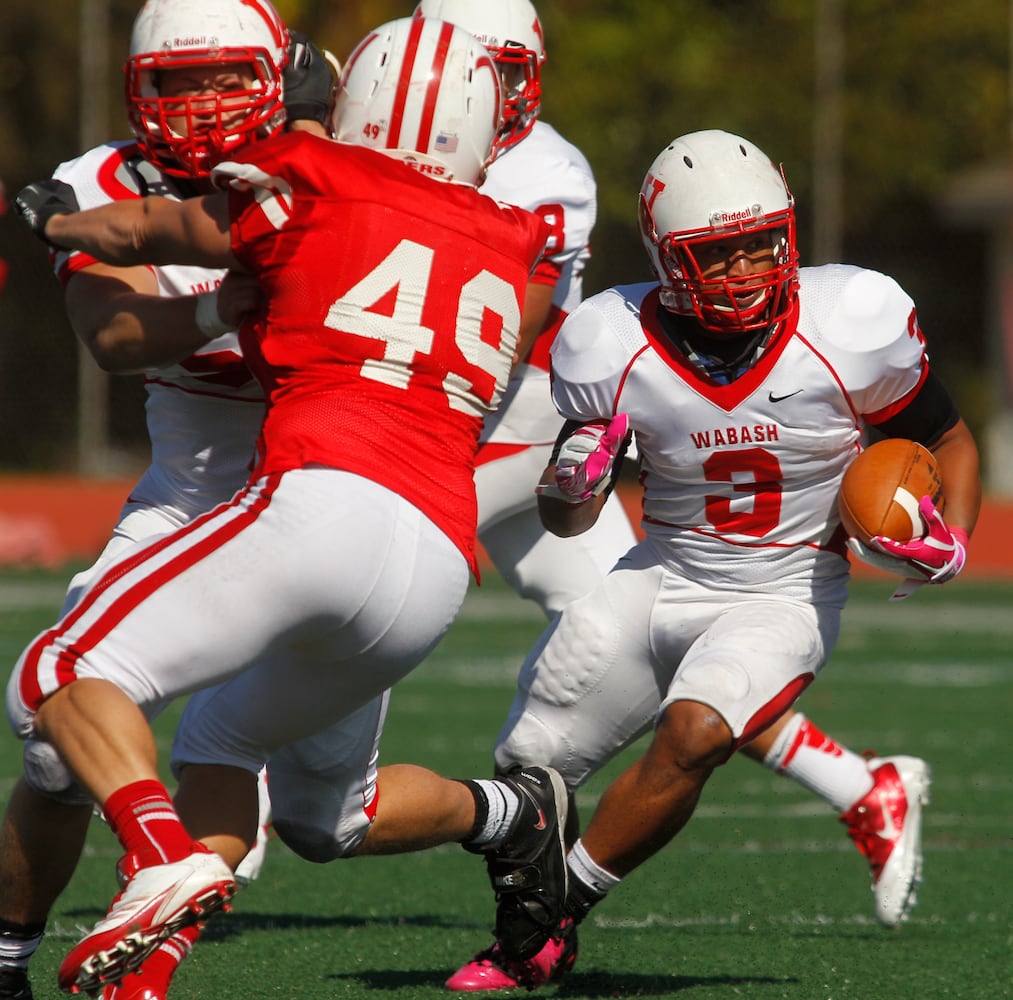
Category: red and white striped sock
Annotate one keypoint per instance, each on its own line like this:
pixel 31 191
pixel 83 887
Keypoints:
pixel 142 815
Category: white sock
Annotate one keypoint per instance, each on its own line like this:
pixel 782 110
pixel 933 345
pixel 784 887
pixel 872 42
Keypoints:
pixel 836 774
pixel 503 805
pixel 588 872
pixel 16 951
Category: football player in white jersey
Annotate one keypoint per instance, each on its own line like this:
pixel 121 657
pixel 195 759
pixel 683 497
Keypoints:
pixel 540 170
pixel 748 383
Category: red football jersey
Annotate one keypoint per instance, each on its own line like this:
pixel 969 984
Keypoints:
pixel 394 304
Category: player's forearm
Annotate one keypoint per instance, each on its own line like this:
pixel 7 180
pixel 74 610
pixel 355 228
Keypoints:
pixel 140 333
pixel 145 231
pixel 113 234
pixel 957 456
pixel 567 519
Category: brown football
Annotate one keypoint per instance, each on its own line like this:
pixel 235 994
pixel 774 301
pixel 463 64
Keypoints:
pixel 881 489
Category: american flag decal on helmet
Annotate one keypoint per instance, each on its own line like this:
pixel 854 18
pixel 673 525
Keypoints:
pixel 446 143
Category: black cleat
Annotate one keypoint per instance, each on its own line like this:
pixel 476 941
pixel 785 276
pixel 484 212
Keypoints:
pixel 14 984
pixel 528 871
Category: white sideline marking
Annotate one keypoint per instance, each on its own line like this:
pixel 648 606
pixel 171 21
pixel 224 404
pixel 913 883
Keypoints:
pixel 40 594
pixel 785 920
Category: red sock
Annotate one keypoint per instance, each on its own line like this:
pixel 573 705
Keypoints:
pixel 154 976
pixel 143 817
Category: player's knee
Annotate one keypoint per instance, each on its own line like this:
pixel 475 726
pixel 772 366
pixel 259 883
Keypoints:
pixel 46 774
pixel 530 741
pixel 319 843
pixel 693 735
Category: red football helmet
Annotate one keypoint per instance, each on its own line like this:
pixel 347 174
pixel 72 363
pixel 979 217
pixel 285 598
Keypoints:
pixel 186 134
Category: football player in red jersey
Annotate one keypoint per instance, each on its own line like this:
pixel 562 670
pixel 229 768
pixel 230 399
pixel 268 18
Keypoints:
pixel 748 383
pixel 203 406
pixel 378 366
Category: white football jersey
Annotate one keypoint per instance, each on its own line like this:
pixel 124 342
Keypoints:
pixel 549 176
pixel 741 480
pixel 203 414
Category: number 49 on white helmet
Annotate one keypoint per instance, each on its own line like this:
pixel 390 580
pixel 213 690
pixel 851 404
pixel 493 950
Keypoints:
pixel 423 91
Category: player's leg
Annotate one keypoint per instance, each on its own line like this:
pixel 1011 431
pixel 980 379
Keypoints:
pixel 121 647
pixel 879 799
pixel 248 870
pixel 41 839
pixel 753 660
pixel 48 814
pixel 588 688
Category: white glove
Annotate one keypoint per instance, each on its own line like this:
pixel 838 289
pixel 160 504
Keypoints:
pixel 586 457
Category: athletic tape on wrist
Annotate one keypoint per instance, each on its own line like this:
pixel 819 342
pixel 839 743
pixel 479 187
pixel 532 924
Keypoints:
pixel 206 315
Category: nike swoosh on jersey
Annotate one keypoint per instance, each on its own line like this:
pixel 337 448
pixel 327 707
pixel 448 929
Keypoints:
pixel 777 399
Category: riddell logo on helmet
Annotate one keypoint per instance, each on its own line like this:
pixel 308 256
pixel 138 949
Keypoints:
pixel 742 215
pixel 193 42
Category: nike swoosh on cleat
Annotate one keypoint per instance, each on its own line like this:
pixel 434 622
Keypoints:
pixel 540 825
pixel 777 399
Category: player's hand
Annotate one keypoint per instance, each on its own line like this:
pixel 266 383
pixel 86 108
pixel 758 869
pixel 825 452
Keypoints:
pixel 39 202
pixel 308 82
pixel 584 464
pixel 938 555
pixel 238 296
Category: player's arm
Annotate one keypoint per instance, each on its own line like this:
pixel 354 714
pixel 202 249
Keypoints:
pixel 119 314
pixel 148 231
pixel 931 419
pixel 578 480
pixel 939 554
pixel 117 311
pixel 535 317
pixel 957 455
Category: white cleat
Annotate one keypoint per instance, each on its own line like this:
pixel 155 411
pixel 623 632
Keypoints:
pixel 886 826
pixel 155 902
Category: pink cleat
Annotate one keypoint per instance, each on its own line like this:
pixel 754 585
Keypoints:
pixel 886 826
pixel 155 903
pixel 491 970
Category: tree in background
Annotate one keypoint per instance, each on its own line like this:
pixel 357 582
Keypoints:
pixel 925 94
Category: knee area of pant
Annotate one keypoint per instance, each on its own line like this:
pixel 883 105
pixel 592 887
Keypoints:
pixel 531 742
pixel 46 774
pixel 315 844
pixel 694 735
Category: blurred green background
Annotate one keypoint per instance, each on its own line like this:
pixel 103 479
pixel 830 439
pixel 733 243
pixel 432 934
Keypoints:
pixel 893 122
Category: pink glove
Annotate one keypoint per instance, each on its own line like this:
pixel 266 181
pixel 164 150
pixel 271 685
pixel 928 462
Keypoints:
pixel 584 465
pixel 937 556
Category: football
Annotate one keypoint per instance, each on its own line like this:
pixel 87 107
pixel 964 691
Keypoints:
pixel 881 489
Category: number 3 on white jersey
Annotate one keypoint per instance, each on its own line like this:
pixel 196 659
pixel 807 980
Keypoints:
pixel 406 272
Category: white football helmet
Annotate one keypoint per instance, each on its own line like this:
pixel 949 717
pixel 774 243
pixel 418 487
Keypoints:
pixel 511 31
pixel 423 91
pixel 705 187
pixel 199 35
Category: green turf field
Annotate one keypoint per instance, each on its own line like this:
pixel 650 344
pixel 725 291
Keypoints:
pixel 762 895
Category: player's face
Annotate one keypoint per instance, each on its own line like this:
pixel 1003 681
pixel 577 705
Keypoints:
pixel 204 94
pixel 735 270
